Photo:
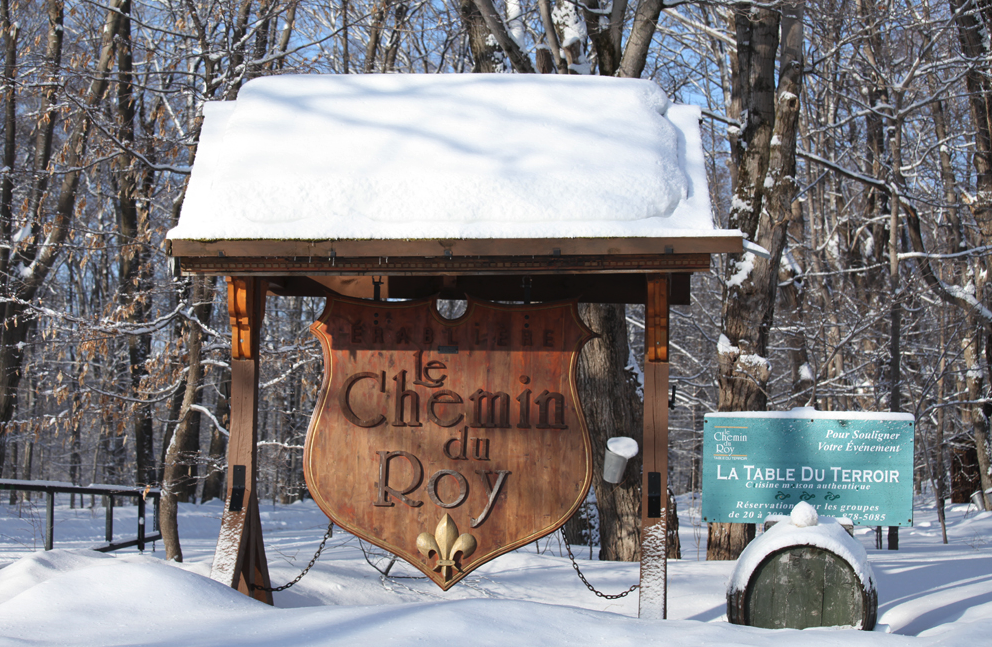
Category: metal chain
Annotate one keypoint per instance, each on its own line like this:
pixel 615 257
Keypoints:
pixel 320 549
pixel 582 577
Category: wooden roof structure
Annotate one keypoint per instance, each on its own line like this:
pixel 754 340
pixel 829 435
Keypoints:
pixel 279 199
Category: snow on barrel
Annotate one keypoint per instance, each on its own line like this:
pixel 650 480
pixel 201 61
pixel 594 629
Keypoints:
pixel 803 571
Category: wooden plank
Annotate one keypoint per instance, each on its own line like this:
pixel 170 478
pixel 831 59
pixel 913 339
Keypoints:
pixel 654 484
pixel 239 560
pixel 708 244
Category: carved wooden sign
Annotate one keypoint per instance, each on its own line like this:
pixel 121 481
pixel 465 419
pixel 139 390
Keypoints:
pixel 448 442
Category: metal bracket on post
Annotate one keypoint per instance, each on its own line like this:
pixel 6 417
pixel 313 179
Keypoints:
pixel 238 489
pixel 654 495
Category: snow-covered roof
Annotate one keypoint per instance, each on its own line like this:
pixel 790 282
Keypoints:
pixel 422 157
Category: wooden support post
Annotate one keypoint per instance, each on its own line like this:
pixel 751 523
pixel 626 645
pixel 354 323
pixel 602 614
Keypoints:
pixel 240 558
pixel 653 601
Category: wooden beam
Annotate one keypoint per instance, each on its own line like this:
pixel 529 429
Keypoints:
pixel 489 265
pixel 587 288
pixel 597 288
pixel 721 241
pixel 654 477
pixel 240 559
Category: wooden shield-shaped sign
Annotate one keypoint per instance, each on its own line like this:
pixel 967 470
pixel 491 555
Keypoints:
pixel 448 442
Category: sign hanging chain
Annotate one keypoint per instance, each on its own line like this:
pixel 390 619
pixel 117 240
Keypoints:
pixel 320 549
pixel 582 577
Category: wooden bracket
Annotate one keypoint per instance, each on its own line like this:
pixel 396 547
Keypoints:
pixel 246 306
pixel 240 558
pixel 656 319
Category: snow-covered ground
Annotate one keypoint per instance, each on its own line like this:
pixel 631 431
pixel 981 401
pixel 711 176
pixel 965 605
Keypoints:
pixel 929 594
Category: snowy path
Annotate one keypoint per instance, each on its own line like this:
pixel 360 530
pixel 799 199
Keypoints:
pixel 72 596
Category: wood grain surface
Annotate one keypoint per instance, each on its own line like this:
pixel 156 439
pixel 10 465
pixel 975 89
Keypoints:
pixel 476 418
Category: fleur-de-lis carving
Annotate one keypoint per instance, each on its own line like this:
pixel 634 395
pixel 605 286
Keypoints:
pixel 446 543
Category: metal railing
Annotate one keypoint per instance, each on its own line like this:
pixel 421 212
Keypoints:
pixel 51 488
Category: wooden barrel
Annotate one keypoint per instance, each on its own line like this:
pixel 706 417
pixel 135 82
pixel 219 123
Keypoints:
pixel 803 585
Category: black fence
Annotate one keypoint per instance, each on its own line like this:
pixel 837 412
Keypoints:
pixel 51 488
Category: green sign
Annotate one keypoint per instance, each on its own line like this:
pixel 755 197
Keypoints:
pixel 845 464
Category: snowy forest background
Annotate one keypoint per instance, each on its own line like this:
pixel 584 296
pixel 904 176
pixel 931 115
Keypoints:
pixel 878 226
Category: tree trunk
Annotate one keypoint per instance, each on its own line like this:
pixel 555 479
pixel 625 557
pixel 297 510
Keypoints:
pixel 674 548
pixel 393 46
pixel 497 28
pixel 375 32
pixel 175 473
pixel 762 210
pixel 237 56
pixel 964 474
pixel 601 34
pixel 973 30
pixel 635 54
pixel 12 459
pixel 977 416
pixel 9 31
pixel 612 408
pixel 75 460
pixel 551 37
pixel 748 300
pixel 483 52
pixel 974 20
pixel 171 422
pixel 134 272
pixel 217 464
pixel 345 51
pixel 728 540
